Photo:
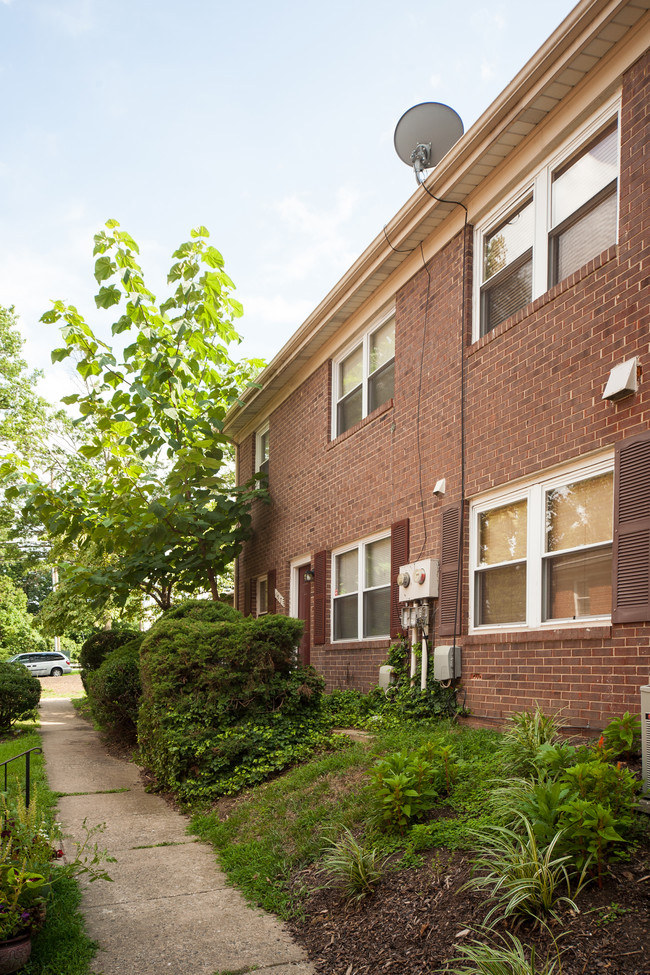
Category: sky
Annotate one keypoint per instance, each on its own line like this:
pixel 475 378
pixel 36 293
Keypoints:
pixel 271 123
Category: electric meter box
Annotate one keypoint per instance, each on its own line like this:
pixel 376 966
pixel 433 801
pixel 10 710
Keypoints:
pixel 446 663
pixel 419 580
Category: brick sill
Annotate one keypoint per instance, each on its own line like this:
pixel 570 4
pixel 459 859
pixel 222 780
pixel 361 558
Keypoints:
pixel 384 408
pixel 355 645
pixel 566 635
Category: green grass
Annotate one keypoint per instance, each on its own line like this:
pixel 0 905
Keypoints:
pixel 287 823
pixel 22 739
pixel 62 946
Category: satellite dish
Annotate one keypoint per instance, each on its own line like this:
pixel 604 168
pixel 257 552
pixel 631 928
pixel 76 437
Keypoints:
pixel 425 134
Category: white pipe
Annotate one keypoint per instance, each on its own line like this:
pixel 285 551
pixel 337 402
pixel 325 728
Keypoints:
pixel 413 634
pixel 425 664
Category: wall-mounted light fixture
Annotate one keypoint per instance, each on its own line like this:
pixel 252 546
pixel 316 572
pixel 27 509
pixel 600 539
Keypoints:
pixel 309 575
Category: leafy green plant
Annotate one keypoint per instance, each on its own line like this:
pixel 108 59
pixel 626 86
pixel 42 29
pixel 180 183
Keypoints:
pixel 528 732
pixel 20 693
pixel 509 957
pixel 404 786
pixel 355 868
pixel 590 831
pixel 524 879
pixel 623 735
pixel 606 915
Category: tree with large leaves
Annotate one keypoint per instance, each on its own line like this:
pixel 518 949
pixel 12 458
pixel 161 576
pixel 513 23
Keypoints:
pixel 158 510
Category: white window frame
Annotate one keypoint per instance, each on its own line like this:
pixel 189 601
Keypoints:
pixel 261 583
pixel 539 187
pixel 360 547
pixel 294 584
pixel 534 491
pixel 363 341
pixel 259 438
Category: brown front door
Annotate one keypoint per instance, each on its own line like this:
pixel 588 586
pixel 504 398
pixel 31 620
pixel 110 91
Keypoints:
pixel 304 612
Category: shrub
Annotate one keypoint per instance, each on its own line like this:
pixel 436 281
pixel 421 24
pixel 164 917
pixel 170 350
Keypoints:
pixel 405 786
pixel 115 689
pixel 590 806
pixel 98 646
pixel 20 693
pixel 224 703
pixel 206 610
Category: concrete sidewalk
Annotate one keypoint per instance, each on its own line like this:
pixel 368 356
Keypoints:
pixel 169 909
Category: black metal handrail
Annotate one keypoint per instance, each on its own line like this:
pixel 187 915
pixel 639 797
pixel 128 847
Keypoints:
pixel 27 755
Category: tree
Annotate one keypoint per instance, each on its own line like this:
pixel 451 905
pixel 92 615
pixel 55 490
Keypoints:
pixel 157 510
pixel 16 632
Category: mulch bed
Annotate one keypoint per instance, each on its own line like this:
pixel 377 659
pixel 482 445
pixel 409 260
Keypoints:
pixel 416 918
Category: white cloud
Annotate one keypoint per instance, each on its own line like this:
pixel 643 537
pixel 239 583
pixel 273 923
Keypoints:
pixel 319 234
pixel 435 80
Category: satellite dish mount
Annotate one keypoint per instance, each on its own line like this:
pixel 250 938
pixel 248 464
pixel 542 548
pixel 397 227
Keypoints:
pixel 425 134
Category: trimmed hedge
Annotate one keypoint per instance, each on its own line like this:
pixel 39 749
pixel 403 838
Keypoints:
pixel 207 610
pixel 20 693
pixel 115 689
pixel 224 703
pixel 98 646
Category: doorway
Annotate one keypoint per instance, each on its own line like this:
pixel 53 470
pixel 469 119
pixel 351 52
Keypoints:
pixel 304 613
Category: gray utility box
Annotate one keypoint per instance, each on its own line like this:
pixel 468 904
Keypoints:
pixel 385 677
pixel 645 738
pixel 446 663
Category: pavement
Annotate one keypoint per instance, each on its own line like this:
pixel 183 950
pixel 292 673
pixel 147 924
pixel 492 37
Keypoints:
pixel 168 909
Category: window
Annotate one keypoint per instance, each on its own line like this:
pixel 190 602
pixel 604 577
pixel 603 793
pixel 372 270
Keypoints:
pixel 262 449
pixel 262 596
pixel 361 590
pixel 543 553
pixel 565 215
pixel 364 377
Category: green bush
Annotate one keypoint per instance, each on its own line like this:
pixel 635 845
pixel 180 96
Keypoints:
pixel 622 736
pixel 115 689
pixel 20 693
pixel 206 610
pixel 98 646
pixel 223 703
pixel 405 786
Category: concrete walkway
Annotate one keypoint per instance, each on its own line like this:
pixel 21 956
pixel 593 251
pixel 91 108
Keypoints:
pixel 168 909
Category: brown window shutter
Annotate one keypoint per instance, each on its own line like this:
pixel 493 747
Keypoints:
pixel 248 590
pixel 399 555
pixel 631 550
pixel 270 592
pixel 448 614
pixel 320 596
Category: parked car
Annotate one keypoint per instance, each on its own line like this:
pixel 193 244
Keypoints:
pixel 44 664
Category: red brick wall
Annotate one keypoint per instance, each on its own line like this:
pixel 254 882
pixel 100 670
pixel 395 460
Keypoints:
pixel 533 399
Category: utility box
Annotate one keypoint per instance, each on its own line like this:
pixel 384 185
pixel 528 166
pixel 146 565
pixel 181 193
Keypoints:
pixel 645 738
pixel 385 677
pixel 446 663
pixel 419 580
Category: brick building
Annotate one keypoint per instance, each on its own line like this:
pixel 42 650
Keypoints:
pixel 495 335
